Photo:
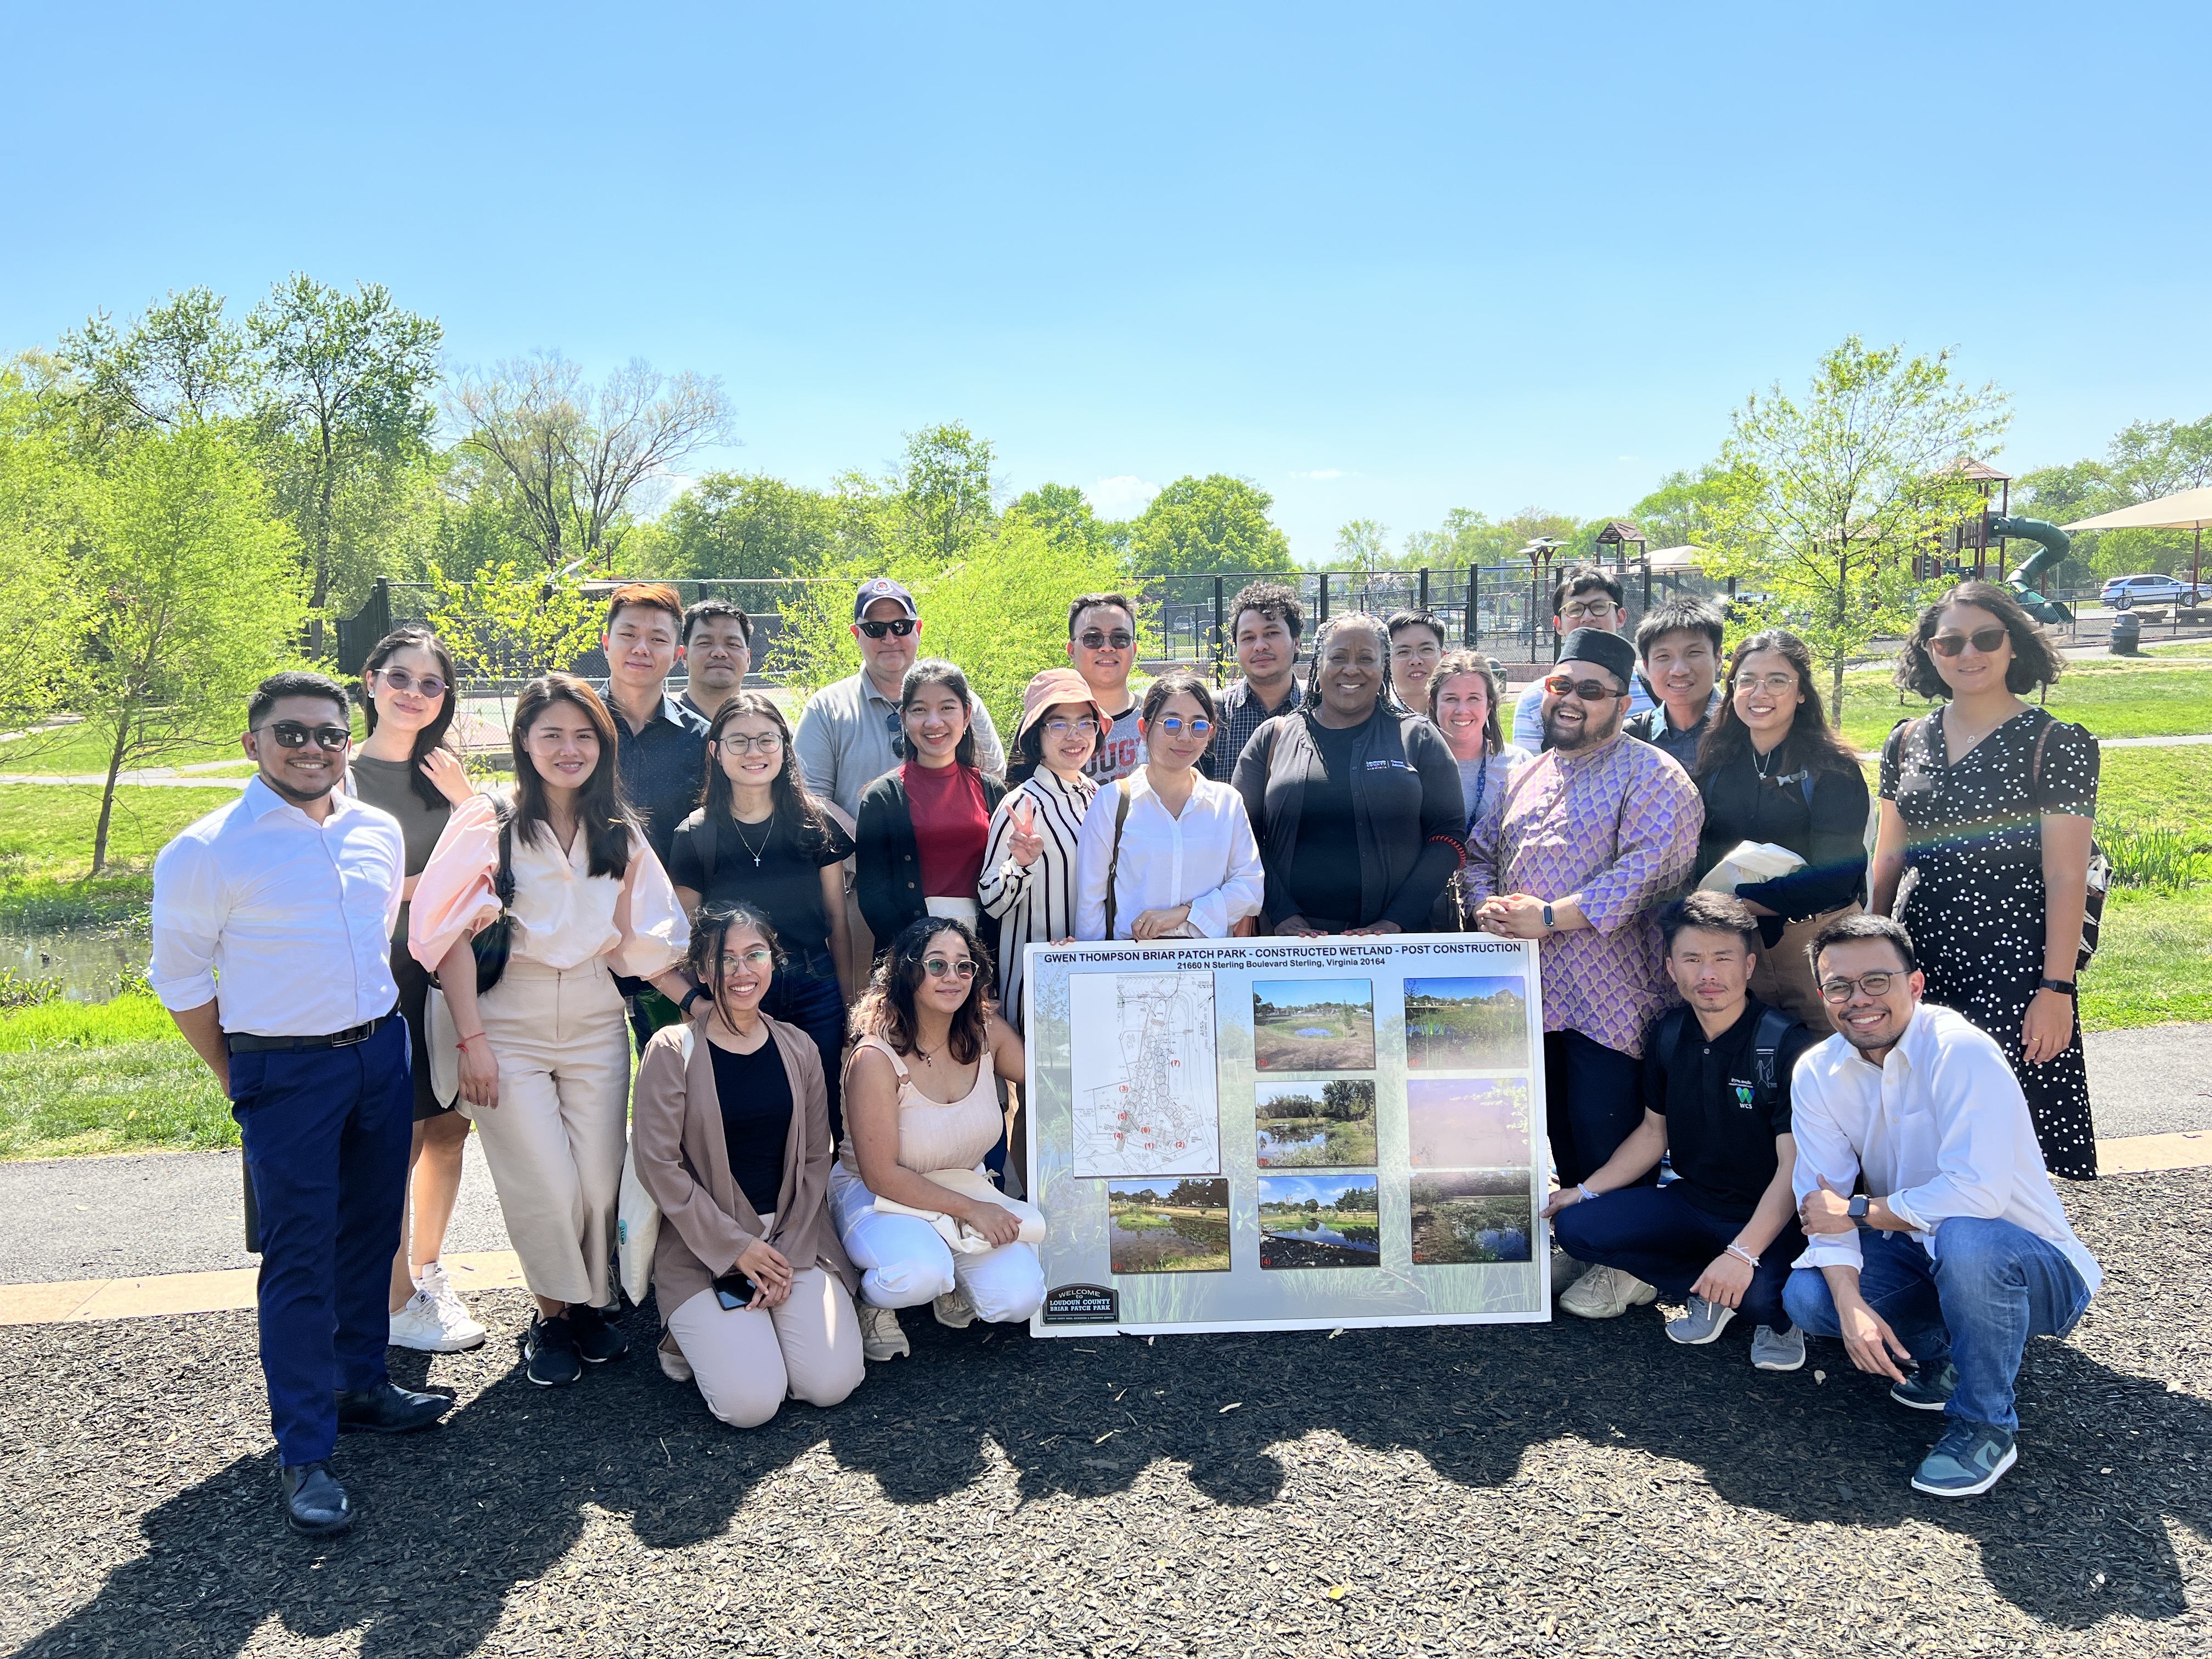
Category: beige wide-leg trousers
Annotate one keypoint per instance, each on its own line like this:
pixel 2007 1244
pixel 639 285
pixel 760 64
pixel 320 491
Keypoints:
pixel 747 1361
pixel 554 1142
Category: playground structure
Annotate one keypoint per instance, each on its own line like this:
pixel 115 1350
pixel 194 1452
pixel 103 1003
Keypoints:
pixel 1987 531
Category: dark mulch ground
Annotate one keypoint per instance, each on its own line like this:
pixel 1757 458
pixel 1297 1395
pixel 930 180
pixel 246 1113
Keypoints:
pixel 1569 1489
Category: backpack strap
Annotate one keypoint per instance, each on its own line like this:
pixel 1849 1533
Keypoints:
pixel 1114 862
pixel 1670 1029
pixel 502 875
pixel 1805 783
pixel 1765 1045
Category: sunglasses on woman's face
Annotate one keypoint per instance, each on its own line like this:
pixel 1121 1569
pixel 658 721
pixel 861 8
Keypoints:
pixel 938 967
pixel 399 680
pixel 899 628
pixel 290 734
pixel 1984 639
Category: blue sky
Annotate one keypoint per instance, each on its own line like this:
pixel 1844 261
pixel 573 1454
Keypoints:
pixel 1384 262
pixel 1296 1189
pixel 1301 992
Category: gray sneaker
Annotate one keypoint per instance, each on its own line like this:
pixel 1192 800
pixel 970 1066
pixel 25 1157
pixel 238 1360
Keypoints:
pixel 1778 1351
pixel 1703 1322
pixel 1970 1459
pixel 1926 1390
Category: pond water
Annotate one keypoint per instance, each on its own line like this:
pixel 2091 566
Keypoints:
pixel 84 960
pixel 1317 1233
pixel 1312 1030
pixel 1158 1242
pixel 1275 1145
pixel 1507 1243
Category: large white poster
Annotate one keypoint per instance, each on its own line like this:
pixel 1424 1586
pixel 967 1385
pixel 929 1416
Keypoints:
pixel 1282 1133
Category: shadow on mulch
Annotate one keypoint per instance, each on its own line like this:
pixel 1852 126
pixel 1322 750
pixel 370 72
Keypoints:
pixel 453 1520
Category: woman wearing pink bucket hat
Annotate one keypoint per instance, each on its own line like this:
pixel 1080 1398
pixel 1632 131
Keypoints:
pixel 1029 864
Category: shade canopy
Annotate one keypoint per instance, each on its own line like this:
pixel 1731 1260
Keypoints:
pixel 1685 557
pixel 2187 509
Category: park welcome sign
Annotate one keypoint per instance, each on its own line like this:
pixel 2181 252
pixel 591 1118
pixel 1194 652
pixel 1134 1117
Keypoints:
pixel 1279 1134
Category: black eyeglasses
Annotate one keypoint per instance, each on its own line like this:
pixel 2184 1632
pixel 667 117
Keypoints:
pixel 290 734
pixel 400 680
pixel 1092 640
pixel 1588 690
pixel 938 967
pixel 895 723
pixel 1984 639
pixel 898 629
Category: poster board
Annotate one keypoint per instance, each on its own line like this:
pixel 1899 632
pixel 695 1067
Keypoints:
pixel 1287 1134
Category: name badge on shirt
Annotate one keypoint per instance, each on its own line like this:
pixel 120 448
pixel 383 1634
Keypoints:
pixel 1386 765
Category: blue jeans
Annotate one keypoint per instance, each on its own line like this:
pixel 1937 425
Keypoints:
pixel 1658 1235
pixel 326 1133
pixel 1989 1286
pixel 815 1002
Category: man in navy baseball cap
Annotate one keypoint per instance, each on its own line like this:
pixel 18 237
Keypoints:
pixel 880 589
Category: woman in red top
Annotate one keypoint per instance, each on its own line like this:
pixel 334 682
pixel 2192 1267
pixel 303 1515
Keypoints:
pixel 919 846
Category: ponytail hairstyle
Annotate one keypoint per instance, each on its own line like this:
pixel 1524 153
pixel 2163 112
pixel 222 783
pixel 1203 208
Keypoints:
pixel 417 636
pixel 712 930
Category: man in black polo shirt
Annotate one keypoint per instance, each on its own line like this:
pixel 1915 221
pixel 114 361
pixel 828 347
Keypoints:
pixel 661 744
pixel 1716 1097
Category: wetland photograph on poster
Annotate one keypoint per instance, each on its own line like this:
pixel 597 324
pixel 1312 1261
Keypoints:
pixel 1466 1123
pixel 1320 1221
pixel 1313 1024
pixel 1169 1226
pixel 1472 1024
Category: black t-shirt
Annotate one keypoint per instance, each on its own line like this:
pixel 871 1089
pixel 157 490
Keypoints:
pixel 786 882
pixel 1325 873
pixel 754 1091
pixel 1721 1144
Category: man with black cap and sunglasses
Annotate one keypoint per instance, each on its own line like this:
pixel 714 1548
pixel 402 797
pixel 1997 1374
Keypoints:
pixel 849 734
pixel 1595 835
pixel 272 916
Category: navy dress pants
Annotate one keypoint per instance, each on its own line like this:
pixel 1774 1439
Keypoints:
pixel 326 1133
pixel 806 993
pixel 1666 1241
pixel 1593 1097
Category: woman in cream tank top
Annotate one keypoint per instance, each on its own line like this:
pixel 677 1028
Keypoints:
pixel 920 1095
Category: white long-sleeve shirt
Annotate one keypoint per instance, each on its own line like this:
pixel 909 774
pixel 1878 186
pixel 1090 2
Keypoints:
pixel 286 920
pixel 1206 858
pixel 1941 1129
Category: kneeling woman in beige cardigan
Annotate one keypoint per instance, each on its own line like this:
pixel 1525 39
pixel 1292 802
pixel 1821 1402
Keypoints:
pixel 730 1126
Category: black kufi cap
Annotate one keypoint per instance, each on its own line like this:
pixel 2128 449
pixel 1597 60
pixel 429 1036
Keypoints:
pixel 1607 649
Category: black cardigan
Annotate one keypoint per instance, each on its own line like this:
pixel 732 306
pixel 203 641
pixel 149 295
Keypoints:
pixel 1411 817
pixel 1828 832
pixel 887 864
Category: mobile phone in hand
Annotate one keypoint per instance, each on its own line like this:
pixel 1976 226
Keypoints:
pixel 735 1290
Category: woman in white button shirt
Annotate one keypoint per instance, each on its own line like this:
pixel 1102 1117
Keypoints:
pixel 1173 845
pixel 544 1054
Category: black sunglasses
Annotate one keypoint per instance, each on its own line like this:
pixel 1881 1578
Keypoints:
pixel 1984 639
pixel 290 734
pixel 875 630
pixel 1092 640
pixel 1588 690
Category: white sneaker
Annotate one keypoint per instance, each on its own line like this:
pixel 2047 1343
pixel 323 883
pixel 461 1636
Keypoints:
pixel 880 1335
pixel 434 1320
pixel 1778 1351
pixel 955 1310
pixel 1564 1270
pixel 1606 1293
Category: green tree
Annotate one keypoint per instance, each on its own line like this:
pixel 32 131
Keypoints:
pixel 1363 545
pixel 1064 514
pixel 45 611
pixel 1198 526
pixel 183 360
pixel 2145 460
pixel 1682 511
pixel 1344 1099
pixel 199 595
pixel 511 622
pixel 946 487
pixel 1832 497
pixel 746 525
pixel 345 400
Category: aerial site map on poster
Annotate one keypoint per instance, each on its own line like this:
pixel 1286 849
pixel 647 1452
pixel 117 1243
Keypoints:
pixel 1269 1133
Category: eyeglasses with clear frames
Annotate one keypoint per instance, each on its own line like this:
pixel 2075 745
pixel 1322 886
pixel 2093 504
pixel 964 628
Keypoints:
pixel 758 958
pixel 938 967
pixel 1085 727
pixel 1779 684
pixel 767 743
pixel 1875 984
pixel 1174 724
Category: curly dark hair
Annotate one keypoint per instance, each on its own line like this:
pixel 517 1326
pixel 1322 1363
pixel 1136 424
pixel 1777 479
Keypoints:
pixel 2035 661
pixel 885 1009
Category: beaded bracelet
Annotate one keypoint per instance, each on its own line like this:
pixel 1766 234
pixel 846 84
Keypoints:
pixel 1738 1251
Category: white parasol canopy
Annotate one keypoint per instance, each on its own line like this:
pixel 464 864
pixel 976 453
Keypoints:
pixel 2187 509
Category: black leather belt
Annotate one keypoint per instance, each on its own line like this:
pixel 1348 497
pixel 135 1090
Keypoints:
pixel 245 1043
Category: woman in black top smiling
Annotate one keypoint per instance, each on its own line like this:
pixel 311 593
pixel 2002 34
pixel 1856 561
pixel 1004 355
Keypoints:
pixel 1355 801
pixel 761 840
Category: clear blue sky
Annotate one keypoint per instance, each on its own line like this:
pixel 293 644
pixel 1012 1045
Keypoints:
pixel 1383 261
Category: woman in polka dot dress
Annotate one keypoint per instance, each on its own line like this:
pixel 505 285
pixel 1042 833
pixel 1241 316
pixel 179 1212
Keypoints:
pixel 1984 849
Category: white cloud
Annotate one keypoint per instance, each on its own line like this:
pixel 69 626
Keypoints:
pixel 1121 497
pixel 1323 472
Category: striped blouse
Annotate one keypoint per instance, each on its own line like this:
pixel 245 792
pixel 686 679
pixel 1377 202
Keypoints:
pixel 1036 905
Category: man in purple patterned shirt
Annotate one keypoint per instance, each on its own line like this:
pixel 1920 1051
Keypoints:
pixel 1598 832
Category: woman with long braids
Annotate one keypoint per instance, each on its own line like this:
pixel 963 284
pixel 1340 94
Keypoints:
pixel 544 1054
pixel 1355 800
pixel 1771 769
pixel 760 839
pixel 406 766
pixel 920 1107
pixel 731 1127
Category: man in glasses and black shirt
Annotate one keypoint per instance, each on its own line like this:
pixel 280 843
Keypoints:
pixel 1101 643
pixel 271 919
pixel 849 734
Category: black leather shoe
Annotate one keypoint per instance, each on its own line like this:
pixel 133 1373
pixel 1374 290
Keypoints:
pixel 597 1340
pixel 388 1408
pixel 315 1503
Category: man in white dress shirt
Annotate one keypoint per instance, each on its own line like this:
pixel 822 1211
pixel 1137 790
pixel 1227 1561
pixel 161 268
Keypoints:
pixel 272 918
pixel 1957 1250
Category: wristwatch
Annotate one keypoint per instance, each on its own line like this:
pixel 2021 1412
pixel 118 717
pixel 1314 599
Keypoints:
pixel 690 997
pixel 1549 926
pixel 1857 1209
pixel 2063 987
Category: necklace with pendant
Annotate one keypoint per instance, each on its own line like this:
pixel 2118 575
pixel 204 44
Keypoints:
pixel 747 840
pixel 1759 763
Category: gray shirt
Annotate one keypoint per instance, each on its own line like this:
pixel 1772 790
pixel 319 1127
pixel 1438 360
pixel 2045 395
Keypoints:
pixel 844 741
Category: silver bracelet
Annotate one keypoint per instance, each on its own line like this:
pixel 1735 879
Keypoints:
pixel 1738 1251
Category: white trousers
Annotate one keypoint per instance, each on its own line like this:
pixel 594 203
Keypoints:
pixel 554 1144
pixel 747 1361
pixel 904 1263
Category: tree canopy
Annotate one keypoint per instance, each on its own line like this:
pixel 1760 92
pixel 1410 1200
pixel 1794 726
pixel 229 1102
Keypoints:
pixel 1201 526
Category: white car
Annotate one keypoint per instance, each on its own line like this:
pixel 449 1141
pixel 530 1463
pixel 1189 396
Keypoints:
pixel 2125 591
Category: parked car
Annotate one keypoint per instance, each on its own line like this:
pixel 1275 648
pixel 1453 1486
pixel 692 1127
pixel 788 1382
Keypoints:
pixel 2123 592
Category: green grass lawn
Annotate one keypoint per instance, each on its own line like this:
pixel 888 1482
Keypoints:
pixel 2111 699
pixel 46 850
pixel 83 750
pixel 2155 963
pixel 114 1078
